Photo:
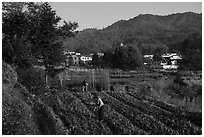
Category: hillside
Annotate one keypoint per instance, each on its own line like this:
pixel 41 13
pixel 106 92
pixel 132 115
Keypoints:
pixel 66 111
pixel 24 113
pixel 143 29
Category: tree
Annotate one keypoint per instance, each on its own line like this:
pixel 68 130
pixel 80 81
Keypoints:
pixel 46 37
pixel 135 57
pixel 31 30
pixel 108 59
pixel 97 61
pixel 192 53
pixel 127 57
pixel 15 26
pixel 120 57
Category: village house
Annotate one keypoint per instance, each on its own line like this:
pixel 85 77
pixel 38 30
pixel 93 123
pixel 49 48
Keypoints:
pixel 76 59
pixel 170 60
pixel 72 58
pixel 147 59
pixel 85 59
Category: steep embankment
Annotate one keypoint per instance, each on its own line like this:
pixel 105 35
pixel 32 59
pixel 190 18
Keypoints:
pixel 17 115
pixel 23 112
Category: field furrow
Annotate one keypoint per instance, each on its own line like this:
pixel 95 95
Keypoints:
pixel 170 120
pixel 102 128
pixel 169 108
pixel 141 120
pixel 193 117
pixel 75 115
pixel 115 121
pixel 88 119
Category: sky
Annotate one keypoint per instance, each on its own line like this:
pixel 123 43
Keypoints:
pixel 103 14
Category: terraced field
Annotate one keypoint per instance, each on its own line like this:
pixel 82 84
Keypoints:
pixel 125 113
pixel 69 111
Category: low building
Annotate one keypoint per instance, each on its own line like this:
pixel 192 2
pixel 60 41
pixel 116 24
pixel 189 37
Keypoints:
pixel 72 59
pixel 148 56
pixel 147 59
pixel 85 59
pixel 170 60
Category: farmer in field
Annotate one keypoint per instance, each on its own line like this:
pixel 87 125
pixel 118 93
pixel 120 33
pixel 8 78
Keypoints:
pixel 100 106
pixel 84 86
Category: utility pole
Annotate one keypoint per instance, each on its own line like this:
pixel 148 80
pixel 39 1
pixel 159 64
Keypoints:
pixel 93 77
pixel 108 79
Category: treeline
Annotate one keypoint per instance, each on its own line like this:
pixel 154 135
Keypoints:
pixel 92 40
pixel 125 57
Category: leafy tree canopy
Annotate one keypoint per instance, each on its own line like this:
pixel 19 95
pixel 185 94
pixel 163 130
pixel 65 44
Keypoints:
pixel 31 31
pixel 192 53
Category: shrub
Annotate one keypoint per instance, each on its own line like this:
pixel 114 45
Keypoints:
pixel 17 115
pixel 9 76
pixel 33 79
pixel 145 88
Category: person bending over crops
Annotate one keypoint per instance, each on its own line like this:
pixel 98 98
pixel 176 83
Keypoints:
pixel 100 107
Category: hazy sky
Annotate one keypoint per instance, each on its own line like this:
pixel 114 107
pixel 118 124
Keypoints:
pixel 103 14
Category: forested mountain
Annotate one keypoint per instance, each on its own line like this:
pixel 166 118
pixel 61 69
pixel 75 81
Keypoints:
pixel 145 31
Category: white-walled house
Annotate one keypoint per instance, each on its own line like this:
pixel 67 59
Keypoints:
pixel 170 60
pixel 148 56
pixel 84 59
pixel 72 59
pixel 147 59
